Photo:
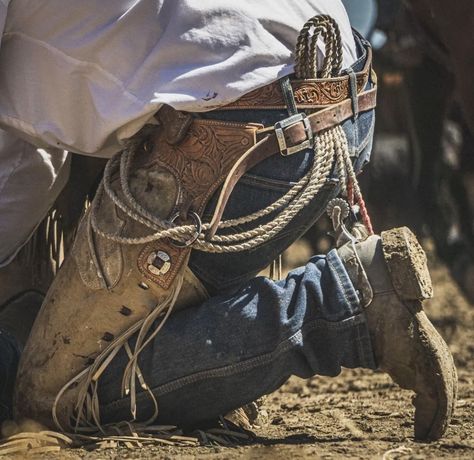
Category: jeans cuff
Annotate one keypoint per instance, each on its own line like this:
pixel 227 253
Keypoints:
pixel 352 301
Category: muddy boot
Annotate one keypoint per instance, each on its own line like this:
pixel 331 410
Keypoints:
pixel 120 281
pixel 392 278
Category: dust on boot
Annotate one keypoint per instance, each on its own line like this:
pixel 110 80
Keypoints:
pixel 392 277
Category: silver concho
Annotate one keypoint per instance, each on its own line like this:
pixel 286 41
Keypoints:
pixel 159 263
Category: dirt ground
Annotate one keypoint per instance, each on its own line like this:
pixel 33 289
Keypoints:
pixel 359 414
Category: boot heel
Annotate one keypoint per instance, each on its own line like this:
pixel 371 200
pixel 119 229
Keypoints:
pixel 406 262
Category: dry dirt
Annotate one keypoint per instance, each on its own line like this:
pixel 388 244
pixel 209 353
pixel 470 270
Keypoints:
pixel 359 414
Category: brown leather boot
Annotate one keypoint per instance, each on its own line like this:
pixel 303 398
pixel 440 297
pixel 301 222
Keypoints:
pixel 119 278
pixel 392 277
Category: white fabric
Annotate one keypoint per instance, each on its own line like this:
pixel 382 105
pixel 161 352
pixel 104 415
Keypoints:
pixel 30 181
pixel 81 75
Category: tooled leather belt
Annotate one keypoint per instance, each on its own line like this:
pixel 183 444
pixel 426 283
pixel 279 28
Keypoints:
pixel 308 93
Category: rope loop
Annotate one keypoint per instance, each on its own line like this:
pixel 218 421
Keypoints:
pixel 323 27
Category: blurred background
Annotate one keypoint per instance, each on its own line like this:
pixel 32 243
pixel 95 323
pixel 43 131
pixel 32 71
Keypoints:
pixel 422 168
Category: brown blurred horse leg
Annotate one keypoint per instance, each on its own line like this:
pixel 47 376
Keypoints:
pixel 429 88
pixel 451 24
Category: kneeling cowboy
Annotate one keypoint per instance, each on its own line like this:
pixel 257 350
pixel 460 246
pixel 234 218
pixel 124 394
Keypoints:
pixel 172 210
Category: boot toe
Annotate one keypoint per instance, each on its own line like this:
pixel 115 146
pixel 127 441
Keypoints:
pixel 436 387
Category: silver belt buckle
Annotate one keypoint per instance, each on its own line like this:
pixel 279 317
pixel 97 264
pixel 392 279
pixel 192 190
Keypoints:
pixel 290 121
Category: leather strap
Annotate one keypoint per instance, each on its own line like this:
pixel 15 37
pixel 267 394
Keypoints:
pixel 294 134
pixel 308 93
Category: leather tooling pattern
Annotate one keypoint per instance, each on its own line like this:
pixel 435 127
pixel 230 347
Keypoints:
pixel 200 163
pixel 311 93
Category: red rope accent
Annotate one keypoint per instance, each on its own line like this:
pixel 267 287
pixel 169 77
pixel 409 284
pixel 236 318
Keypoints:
pixel 362 207
pixel 365 215
pixel 350 192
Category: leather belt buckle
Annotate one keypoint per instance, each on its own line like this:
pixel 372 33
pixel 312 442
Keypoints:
pixel 285 150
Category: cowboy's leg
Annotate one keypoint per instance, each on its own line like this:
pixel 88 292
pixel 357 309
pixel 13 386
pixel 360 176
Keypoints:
pixel 90 319
pixel 266 322
pixel 234 348
pixel 246 342
pixel 358 307
pixel 120 302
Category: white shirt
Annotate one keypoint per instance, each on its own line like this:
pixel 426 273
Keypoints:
pixel 82 75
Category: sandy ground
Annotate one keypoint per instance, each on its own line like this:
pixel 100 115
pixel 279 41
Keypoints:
pixel 359 414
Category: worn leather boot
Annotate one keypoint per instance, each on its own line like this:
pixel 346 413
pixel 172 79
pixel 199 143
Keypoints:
pixel 392 278
pixel 115 283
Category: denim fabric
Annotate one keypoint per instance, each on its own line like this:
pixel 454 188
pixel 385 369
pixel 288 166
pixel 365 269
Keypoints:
pixel 233 349
pixel 254 333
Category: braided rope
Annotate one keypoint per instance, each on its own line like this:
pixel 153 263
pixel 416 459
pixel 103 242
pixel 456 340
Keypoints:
pixel 330 145
pixel 354 192
pixel 306 66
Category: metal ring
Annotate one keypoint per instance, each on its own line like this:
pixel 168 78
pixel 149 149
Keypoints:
pixel 197 222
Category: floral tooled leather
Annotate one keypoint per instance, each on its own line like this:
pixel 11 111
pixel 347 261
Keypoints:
pixel 200 163
pixel 308 93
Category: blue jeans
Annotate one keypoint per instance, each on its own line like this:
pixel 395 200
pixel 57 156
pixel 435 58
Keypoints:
pixel 254 333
